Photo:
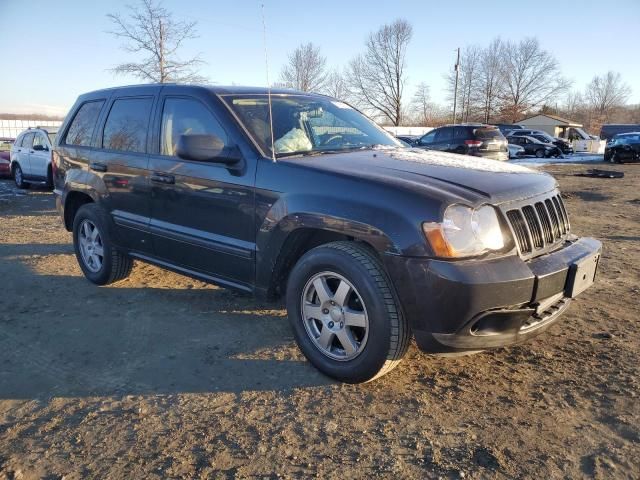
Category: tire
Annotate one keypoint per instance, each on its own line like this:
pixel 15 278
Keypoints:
pixel 103 263
pixel 49 177
pixel 18 177
pixel 540 153
pixel 379 345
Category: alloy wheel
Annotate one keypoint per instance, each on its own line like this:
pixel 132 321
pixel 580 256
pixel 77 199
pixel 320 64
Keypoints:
pixel 334 316
pixel 91 247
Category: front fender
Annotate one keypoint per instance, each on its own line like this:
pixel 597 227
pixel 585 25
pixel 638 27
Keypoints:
pixel 291 213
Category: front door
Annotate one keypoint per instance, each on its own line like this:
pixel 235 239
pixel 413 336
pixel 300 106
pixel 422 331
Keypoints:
pixel 39 156
pixel 202 213
pixel 24 152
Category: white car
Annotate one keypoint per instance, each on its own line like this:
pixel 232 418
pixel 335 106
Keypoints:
pixel 31 157
pixel 515 151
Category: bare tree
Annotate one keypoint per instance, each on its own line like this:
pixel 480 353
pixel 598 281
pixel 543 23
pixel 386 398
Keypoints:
pixel 306 69
pixel 377 77
pixel 421 105
pixel 489 78
pixel 335 86
pixel 607 92
pixel 150 29
pixel 530 76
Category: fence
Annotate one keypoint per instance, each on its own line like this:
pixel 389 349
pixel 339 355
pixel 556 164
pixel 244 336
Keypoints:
pixel 11 128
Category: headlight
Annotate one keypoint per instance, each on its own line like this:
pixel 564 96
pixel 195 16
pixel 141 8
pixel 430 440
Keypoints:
pixel 465 232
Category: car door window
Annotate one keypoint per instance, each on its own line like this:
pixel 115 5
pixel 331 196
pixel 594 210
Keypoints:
pixel 184 116
pixel 39 139
pixel 81 129
pixel 127 124
pixel 460 134
pixel 444 135
pixel 27 140
pixel 428 138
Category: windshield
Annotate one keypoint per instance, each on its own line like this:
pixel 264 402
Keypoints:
pixel 304 125
pixel 52 137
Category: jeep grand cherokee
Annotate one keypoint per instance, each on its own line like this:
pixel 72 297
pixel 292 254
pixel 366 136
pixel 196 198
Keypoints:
pixel 368 241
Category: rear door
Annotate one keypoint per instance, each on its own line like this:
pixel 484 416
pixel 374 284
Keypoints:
pixel 202 212
pixel 122 163
pixel 39 156
pixel 444 140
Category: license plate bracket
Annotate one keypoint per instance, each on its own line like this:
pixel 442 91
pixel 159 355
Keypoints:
pixel 582 274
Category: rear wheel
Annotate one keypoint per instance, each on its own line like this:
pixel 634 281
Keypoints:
pixel 98 258
pixel 344 314
pixel 540 153
pixel 18 177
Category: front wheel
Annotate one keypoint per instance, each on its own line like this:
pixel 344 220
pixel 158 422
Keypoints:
pixel 18 177
pixel 344 314
pixel 540 153
pixel 99 260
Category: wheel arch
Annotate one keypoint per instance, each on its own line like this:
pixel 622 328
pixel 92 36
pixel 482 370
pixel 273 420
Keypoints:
pixel 72 202
pixel 295 236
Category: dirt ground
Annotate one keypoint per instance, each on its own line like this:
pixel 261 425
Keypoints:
pixel 161 376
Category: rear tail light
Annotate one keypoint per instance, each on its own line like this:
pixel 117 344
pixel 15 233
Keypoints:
pixel 473 143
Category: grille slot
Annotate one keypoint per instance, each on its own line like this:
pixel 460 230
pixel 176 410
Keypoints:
pixel 520 229
pixel 534 226
pixel 539 225
pixel 544 220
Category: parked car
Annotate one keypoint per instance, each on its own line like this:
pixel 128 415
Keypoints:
pixel 474 139
pixel 360 235
pixel 5 156
pixel 608 131
pixel 408 140
pixel 624 147
pixel 506 128
pixel 31 157
pixel 515 151
pixel 533 146
pixel 564 145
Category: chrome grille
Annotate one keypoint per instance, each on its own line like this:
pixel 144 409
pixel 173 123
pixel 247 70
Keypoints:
pixel 539 225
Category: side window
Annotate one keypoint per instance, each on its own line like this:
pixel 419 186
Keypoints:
pixel 39 139
pixel 183 116
pixel 27 140
pixel 444 134
pixel 126 125
pixel 81 128
pixel 428 138
pixel 462 133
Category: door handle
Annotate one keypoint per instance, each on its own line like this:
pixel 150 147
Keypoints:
pixel 163 178
pixel 98 167
pixel 31 151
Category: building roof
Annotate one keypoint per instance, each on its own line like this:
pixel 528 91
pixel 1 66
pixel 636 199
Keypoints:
pixel 553 117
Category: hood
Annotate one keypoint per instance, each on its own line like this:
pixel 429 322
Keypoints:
pixel 473 179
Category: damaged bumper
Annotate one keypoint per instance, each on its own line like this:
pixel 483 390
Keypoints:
pixel 480 304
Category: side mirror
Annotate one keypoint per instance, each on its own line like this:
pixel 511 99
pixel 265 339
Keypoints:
pixel 206 148
pixel 39 148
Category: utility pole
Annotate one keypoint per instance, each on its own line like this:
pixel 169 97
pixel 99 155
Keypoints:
pixel 455 92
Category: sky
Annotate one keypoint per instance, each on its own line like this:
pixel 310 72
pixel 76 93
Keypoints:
pixel 55 51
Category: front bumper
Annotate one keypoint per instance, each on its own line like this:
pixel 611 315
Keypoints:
pixel 457 306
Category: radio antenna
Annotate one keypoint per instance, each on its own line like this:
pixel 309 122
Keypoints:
pixel 266 63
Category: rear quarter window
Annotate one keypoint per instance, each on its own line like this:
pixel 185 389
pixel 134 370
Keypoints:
pixel 83 124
